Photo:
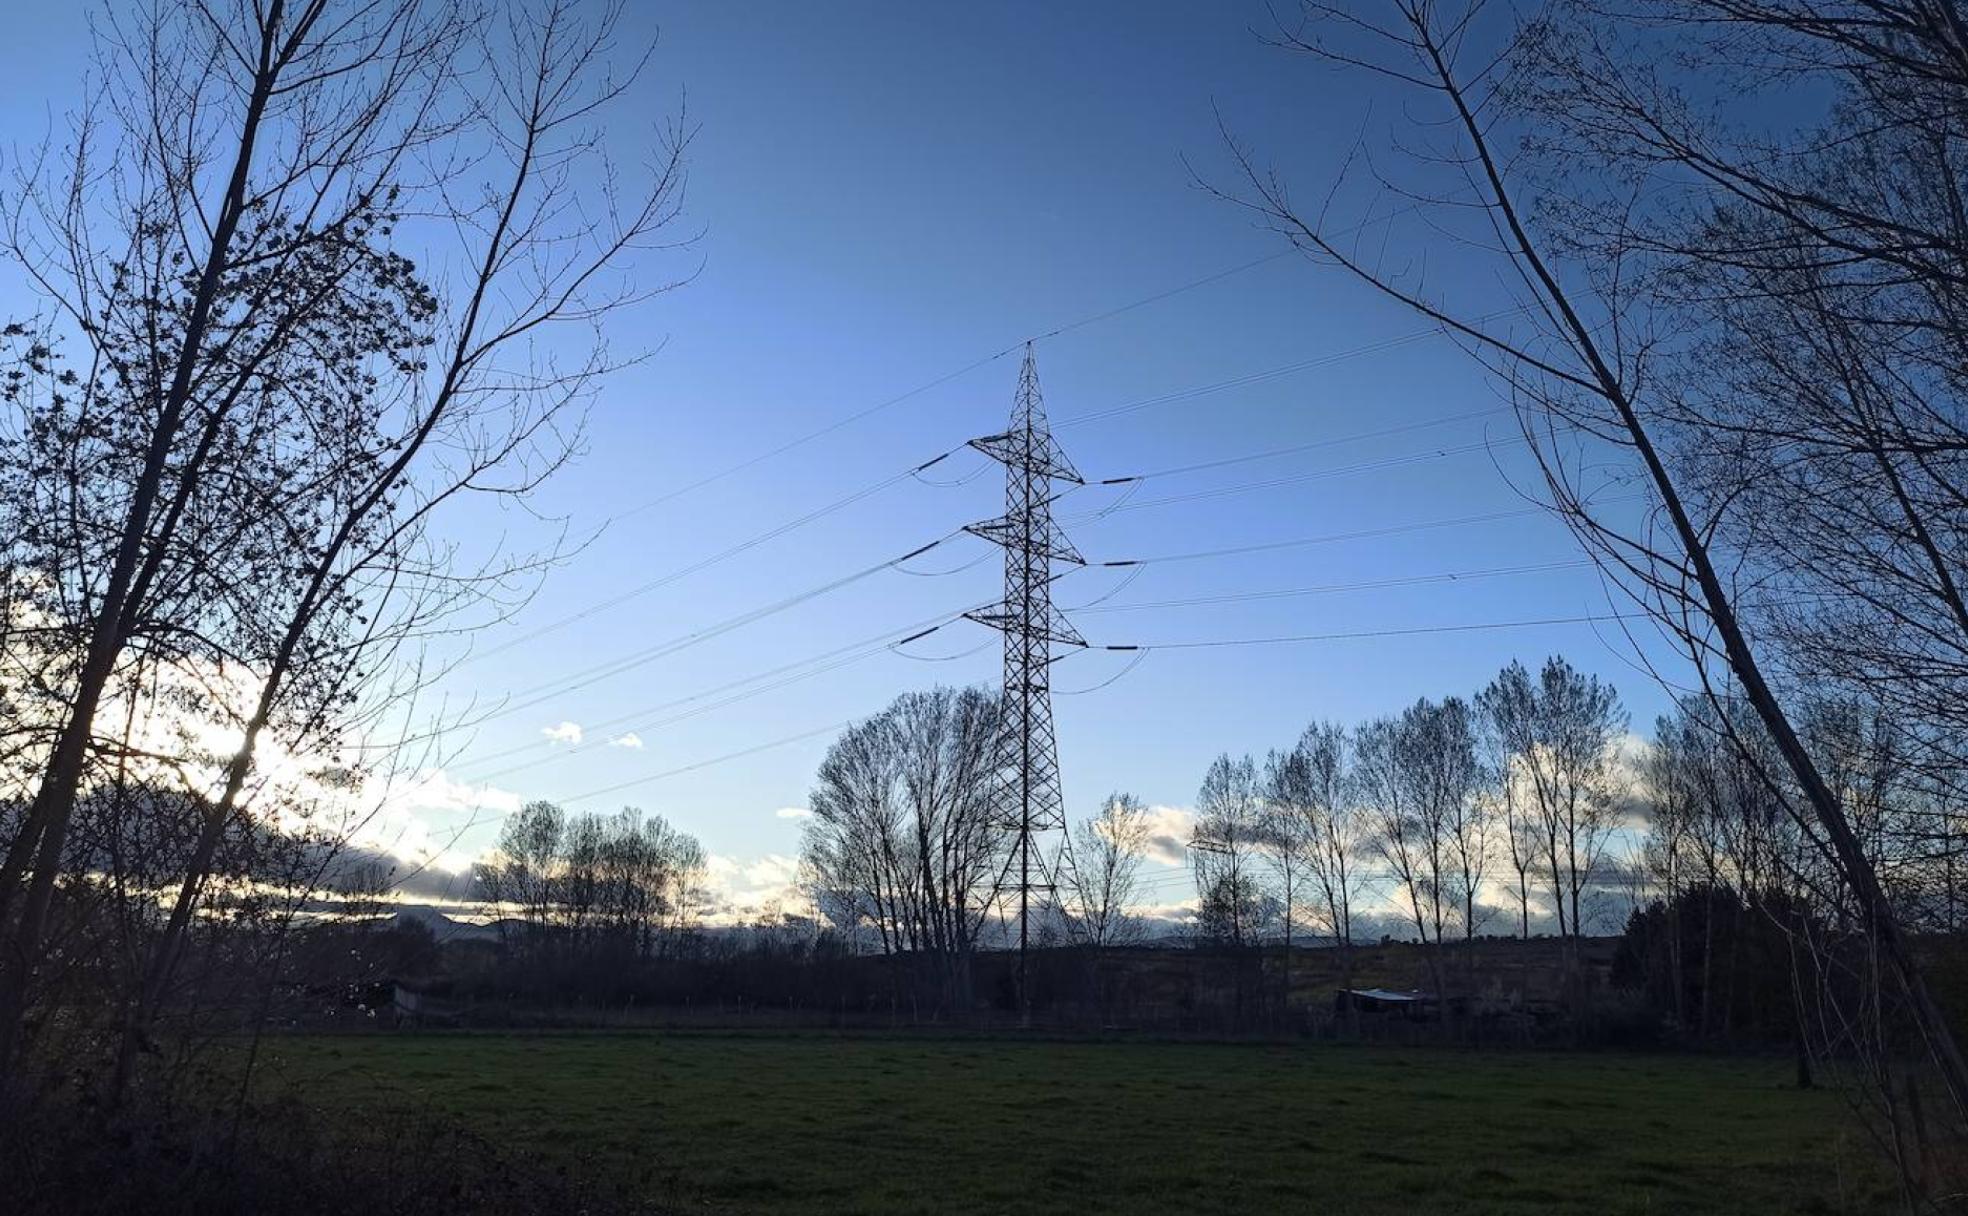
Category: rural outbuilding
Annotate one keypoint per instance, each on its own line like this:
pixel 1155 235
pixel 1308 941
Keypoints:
pixel 1385 1002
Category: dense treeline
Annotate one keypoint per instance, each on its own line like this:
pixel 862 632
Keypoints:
pixel 1719 967
pixel 617 885
pixel 1455 816
pixel 1528 810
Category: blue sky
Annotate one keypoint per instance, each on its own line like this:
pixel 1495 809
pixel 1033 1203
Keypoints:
pixel 889 193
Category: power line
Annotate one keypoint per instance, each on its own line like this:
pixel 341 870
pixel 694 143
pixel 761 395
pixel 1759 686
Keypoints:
pixel 915 471
pixel 1127 580
pixel 810 436
pixel 1286 639
pixel 1412 580
pixel 691 768
pixel 959 568
pixel 673 719
pixel 853 652
pixel 540 693
pixel 770 686
pixel 966 369
pixel 1387 462
pixel 1362 534
pixel 890 640
pixel 1272 483
pixel 1330 538
pixel 532 697
pixel 707 562
pixel 1273 373
pixel 980 648
pixel 1335 441
pixel 1158 297
pixel 1412 631
pixel 1125 670
pixel 1142 650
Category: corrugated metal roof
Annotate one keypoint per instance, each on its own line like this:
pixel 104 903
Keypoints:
pixel 1387 994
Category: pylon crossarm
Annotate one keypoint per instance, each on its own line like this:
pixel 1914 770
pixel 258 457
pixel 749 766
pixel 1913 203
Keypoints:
pixel 1011 625
pixel 1018 536
pixel 1029 453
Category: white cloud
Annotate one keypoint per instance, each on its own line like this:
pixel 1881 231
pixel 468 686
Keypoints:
pixel 399 821
pixel 1633 791
pixel 1167 914
pixel 424 820
pixel 566 732
pixel 737 889
pixel 793 812
pixel 632 741
pixel 1169 828
pixel 433 792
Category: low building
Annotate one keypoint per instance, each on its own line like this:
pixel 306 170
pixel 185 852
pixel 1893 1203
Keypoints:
pixel 1385 1002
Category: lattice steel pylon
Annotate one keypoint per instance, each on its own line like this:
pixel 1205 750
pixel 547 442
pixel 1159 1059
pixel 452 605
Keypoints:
pixel 1032 801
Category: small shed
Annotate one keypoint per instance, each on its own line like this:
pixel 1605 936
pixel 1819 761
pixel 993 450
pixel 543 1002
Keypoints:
pixel 1385 1002
pixel 416 1007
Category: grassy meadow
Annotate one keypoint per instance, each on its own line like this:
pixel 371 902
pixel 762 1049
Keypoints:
pixel 888 1125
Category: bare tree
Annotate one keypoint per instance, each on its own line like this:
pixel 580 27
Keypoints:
pixel 1224 852
pixel 852 852
pixel 1673 796
pixel 1394 823
pixel 1313 785
pixel 622 884
pixel 530 845
pixel 1320 784
pixel 905 835
pixel 1559 737
pixel 1107 853
pixel 651 878
pixel 1516 820
pixel 1458 784
pixel 1286 833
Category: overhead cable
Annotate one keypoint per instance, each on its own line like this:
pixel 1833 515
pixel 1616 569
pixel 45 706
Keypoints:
pixel 722 555
pixel 539 693
pixel 640 720
pixel 691 768
pixel 1412 580
pixel 1412 631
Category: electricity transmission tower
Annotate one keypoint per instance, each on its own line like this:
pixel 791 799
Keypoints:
pixel 1031 800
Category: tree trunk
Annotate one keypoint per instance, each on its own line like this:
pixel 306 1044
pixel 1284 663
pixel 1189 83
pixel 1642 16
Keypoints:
pixel 54 802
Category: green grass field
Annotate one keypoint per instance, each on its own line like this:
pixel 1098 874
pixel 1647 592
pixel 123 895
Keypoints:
pixel 734 1123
